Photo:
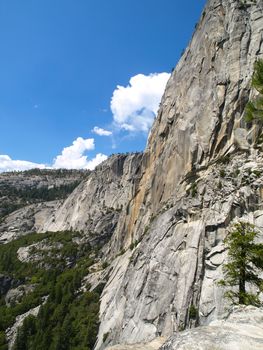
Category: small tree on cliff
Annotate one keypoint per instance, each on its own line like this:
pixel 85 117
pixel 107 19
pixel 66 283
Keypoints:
pixel 245 262
pixel 254 108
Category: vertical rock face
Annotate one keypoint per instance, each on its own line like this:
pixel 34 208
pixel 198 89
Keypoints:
pixel 205 97
pixel 96 205
pixel 200 171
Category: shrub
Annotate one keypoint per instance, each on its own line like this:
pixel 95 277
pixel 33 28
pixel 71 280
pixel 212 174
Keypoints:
pixel 193 313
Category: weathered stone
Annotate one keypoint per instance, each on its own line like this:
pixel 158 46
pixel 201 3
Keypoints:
pixel 185 167
pixel 26 220
pixel 15 295
pixel 97 204
pixel 11 332
pixel 241 330
pixel 153 345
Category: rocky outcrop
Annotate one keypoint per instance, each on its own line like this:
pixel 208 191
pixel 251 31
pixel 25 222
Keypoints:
pixel 26 220
pixel 153 345
pixel 93 208
pixel 178 260
pixel 15 295
pixel 241 330
pixel 11 332
pixel 201 110
pixel 96 205
pixel 200 172
pixel 28 198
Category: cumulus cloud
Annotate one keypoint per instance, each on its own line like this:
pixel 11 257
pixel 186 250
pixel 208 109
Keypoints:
pixel 135 106
pixel 101 132
pixel 8 164
pixel 99 158
pixel 71 157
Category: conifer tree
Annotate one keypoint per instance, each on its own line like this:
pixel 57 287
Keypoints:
pixel 245 262
pixel 254 108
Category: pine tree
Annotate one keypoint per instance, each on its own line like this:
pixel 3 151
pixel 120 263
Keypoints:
pixel 254 108
pixel 245 262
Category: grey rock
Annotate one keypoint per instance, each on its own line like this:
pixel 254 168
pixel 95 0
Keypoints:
pixel 15 186
pixel 34 252
pixel 153 345
pixel 26 220
pixel 241 330
pixel 11 332
pixel 240 138
pixel 190 193
pixel 14 296
pixel 98 203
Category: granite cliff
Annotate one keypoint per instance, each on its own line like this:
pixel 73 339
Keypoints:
pixel 161 215
pixel 201 171
pixel 27 198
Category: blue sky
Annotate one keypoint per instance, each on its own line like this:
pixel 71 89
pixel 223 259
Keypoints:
pixel 61 62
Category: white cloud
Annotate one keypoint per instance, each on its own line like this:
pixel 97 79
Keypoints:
pixel 8 164
pixel 99 158
pixel 101 132
pixel 71 157
pixel 135 106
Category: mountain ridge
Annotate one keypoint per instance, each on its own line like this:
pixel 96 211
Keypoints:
pixel 160 217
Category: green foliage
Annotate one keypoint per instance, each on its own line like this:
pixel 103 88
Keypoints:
pixel 134 244
pixel 245 262
pixel 3 342
pixel 254 108
pixel 193 313
pixel 105 336
pixel 121 252
pixel 222 173
pixel 35 193
pixel 66 251
pixel 257 79
pixel 146 229
pixel 69 318
pixel 55 173
pixel 224 159
pixel 105 264
pixel 245 3
pixel 181 327
pixel 193 189
pixel 257 172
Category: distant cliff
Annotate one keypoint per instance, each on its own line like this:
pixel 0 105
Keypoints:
pixel 32 191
